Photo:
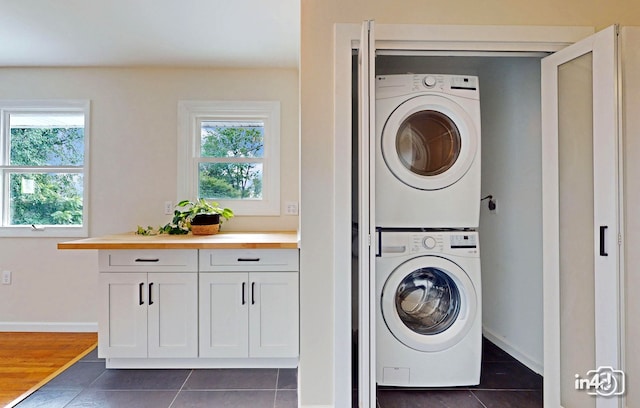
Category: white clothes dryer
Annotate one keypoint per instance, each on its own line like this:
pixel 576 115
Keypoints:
pixel 427 151
pixel 429 317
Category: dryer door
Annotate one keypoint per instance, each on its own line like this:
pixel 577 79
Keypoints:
pixel 429 142
pixel 429 303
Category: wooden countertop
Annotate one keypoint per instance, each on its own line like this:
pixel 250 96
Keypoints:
pixel 222 240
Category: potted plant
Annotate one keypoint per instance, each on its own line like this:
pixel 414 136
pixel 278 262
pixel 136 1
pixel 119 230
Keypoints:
pixel 201 217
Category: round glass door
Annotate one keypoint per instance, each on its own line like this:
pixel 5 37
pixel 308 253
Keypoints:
pixel 428 301
pixel 428 143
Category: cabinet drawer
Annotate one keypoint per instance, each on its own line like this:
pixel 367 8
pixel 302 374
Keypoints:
pixel 177 260
pixel 249 260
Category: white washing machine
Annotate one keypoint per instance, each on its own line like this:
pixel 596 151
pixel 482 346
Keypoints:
pixel 429 319
pixel 427 151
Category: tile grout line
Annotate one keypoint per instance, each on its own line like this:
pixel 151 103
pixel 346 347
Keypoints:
pixel 478 399
pixel 180 390
pixel 83 389
pixel 275 394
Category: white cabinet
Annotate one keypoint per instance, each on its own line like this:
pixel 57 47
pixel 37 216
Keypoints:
pixel 145 313
pixel 198 308
pixel 249 303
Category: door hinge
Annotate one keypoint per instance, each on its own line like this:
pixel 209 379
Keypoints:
pixel 619 239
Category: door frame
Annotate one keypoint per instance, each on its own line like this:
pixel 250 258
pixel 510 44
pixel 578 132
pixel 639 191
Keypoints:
pixel 441 38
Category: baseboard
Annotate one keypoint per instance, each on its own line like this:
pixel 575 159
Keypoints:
pixel 500 341
pixel 69 327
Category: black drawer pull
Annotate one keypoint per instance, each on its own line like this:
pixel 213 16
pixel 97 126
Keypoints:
pixel 150 300
pixel 147 260
pixel 248 259
pixel 141 302
pixel 244 284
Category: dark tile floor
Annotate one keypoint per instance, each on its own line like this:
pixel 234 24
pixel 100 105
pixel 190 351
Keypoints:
pixel 88 383
pixel 504 383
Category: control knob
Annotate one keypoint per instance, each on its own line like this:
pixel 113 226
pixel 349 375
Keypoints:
pixel 429 81
pixel 429 242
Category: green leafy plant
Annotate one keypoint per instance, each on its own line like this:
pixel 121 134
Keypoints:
pixel 185 211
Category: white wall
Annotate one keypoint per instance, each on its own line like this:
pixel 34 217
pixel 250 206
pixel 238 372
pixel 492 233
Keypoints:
pixel 133 170
pixel 511 238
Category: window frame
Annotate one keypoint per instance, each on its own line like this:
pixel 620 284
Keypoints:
pixel 192 113
pixel 8 107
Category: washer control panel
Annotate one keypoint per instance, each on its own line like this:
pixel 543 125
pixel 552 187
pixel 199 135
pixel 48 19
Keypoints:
pixel 458 242
pixel 414 242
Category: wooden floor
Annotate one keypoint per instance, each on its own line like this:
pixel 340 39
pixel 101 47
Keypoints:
pixel 29 360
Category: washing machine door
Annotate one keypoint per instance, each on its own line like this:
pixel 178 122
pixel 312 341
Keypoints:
pixel 429 303
pixel 429 142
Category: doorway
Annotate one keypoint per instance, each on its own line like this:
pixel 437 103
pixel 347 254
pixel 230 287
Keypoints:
pixel 400 39
pixel 511 244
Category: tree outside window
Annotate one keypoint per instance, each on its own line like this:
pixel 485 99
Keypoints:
pixel 238 150
pixel 42 179
pixel 229 152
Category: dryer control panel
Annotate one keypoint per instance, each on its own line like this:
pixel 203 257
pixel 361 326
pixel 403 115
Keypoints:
pixel 407 84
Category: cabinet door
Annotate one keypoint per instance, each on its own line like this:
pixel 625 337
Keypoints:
pixel 173 314
pixel 123 315
pixel 224 326
pixel 273 314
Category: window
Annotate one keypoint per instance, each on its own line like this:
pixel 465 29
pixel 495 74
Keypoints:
pixel 43 157
pixel 229 152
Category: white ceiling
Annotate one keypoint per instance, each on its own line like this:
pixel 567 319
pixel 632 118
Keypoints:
pixel 219 33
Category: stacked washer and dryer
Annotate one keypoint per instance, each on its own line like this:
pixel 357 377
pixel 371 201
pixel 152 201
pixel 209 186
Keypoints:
pixel 429 326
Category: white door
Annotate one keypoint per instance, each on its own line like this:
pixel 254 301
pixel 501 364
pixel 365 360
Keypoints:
pixel 581 223
pixel 273 314
pixel 224 315
pixel 123 315
pixel 172 316
pixel 366 222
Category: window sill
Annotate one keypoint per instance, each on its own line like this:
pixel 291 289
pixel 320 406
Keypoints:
pixel 43 232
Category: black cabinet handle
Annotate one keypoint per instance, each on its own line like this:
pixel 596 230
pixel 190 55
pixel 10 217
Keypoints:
pixel 248 259
pixel 253 294
pixel 603 231
pixel 147 260
pixel 150 286
pixel 244 284
pixel 140 301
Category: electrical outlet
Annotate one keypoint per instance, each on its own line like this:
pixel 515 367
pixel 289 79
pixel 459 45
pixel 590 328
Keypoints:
pixel 168 208
pixel 493 205
pixel 6 277
pixel 291 208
